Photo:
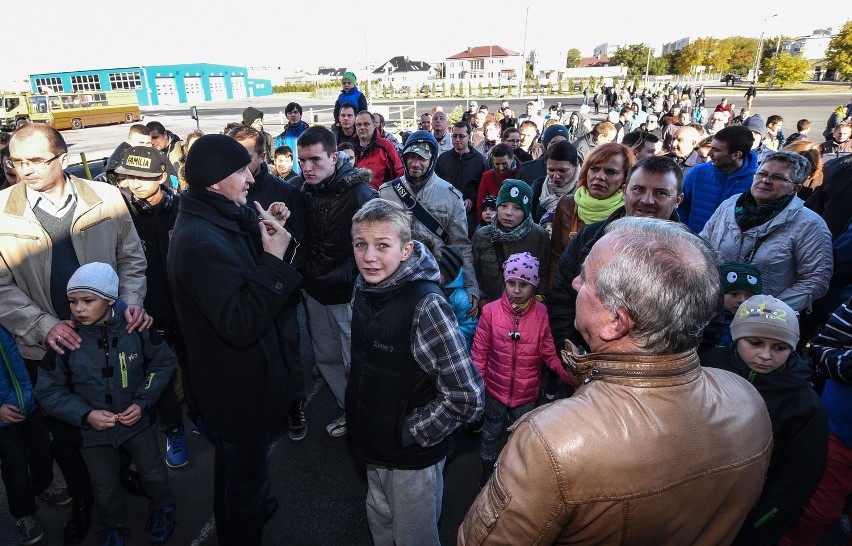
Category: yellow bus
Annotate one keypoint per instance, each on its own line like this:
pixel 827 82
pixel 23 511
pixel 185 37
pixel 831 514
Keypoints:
pixel 86 109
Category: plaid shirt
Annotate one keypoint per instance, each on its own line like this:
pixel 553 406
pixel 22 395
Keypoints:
pixel 440 351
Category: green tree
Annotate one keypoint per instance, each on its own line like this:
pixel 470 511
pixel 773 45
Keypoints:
pixel 490 89
pixel 742 52
pixel 789 70
pixel 839 51
pixel 634 57
pixel 573 58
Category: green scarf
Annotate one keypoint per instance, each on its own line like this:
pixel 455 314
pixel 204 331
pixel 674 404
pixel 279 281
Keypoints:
pixel 591 209
pixel 749 214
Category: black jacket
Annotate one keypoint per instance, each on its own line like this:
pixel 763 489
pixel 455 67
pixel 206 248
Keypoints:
pixel 462 171
pixel 800 442
pixel 533 170
pixel 227 293
pixel 268 189
pixel 833 199
pixel 330 269
pixel 155 224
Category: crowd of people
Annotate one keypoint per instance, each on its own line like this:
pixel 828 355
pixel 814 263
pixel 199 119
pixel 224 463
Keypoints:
pixel 605 289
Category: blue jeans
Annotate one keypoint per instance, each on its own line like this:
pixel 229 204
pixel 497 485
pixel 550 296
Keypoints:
pixel 103 465
pixel 404 506
pixel 492 425
pixel 240 485
pixel 27 467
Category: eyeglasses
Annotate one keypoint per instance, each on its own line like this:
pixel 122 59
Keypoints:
pixel 364 124
pixel 459 137
pixel 773 178
pixel 36 164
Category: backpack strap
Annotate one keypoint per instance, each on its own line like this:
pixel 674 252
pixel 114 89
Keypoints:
pixel 419 212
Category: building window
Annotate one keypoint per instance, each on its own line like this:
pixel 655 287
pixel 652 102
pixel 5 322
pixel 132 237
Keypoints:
pixel 476 65
pixel 125 80
pixel 88 82
pixel 49 85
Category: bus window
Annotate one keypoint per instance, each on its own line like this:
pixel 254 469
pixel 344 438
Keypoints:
pixel 39 104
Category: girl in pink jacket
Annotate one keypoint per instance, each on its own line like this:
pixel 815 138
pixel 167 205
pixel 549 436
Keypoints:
pixel 511 341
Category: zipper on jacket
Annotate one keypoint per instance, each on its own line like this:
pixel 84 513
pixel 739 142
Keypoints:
pixel 122 362
pixel 751 375
pixel 636 373
pixel 766 517
pixel 14 379
pixel 21 236
pixel 515 335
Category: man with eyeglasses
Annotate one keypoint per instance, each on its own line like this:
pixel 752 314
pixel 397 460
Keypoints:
pixel 730 171
pixel 375 152
pixel 53 224
pixel 463 168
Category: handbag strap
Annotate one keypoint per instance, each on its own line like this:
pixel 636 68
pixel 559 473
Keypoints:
pixel 419 212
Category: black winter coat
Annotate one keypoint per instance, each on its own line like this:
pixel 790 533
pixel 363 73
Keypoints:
pixel 330 269
pixel 462 171
pixel 227 294
pixel 800 443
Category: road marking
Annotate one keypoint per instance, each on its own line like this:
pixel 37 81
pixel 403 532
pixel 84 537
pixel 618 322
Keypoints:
pixel 210 527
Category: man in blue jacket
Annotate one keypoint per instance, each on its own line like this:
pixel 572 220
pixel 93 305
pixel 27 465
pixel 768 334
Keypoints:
pixel 730 171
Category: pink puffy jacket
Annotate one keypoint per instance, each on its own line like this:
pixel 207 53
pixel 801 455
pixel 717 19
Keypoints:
pixel 510 367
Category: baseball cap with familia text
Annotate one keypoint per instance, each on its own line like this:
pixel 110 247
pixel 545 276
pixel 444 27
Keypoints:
pixel 142 162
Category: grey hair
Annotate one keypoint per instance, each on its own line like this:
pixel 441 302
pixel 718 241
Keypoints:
pixel 382 210
pixel 665 277
pixel 800 165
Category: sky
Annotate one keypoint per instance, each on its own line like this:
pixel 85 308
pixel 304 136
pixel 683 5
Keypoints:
pixel 64 36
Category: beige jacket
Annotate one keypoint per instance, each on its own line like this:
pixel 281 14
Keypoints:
pixel 651 450
pixel 102 231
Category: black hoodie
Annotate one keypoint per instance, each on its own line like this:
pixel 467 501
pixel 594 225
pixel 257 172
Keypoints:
pixel 800 438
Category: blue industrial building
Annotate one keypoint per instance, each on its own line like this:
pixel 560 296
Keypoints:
pixel 160 85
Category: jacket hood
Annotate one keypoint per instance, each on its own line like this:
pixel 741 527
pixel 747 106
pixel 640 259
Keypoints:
pixel 425 137
pixel 420 266
pixel 793 374
pixel 116 317
pixel 345 176
pixel 458 282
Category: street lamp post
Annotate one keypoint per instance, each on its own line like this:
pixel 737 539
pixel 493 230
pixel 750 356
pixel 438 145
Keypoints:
pixel 760 48
pixel 774 62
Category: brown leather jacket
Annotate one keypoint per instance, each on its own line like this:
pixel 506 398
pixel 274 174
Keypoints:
pixel 652 449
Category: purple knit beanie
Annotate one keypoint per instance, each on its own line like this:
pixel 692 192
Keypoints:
pixel 523 266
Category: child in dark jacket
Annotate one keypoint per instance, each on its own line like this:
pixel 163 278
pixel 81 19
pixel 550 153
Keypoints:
pixel 24 445
pixel 511 341
pixel 765 333
pixel 107 388
pixel 349 94
pixel 740 281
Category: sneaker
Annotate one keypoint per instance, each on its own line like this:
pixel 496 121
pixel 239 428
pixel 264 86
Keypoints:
pixel 176 455
pixel 161 524
pixel 113 536
pixel 28 530
pixel 296 421
pixel 337 428
pixel 203 428
pixel 55 494
pixel 78 522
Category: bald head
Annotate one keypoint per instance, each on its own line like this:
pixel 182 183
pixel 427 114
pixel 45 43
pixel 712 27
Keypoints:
pixel 685 142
